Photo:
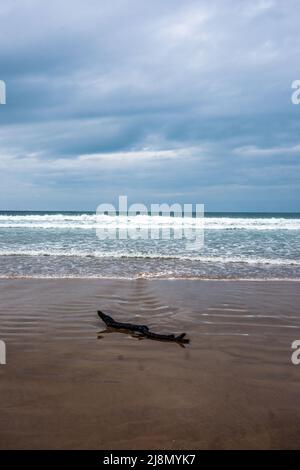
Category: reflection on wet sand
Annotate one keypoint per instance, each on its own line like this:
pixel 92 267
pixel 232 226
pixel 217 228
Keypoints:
pixel 233 387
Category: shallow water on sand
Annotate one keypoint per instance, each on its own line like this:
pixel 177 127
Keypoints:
pixel 234 386
pixel 68 308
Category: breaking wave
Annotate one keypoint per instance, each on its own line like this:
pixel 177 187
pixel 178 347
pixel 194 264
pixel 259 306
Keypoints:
pixel 94 221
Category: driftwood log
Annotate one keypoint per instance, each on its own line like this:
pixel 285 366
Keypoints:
pixel 141 330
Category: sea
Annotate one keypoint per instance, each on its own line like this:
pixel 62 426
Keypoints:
pixel 235 245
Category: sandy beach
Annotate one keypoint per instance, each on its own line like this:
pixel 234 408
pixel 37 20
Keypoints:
pixel 233 387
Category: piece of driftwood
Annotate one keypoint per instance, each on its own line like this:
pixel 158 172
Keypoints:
pixel 141 330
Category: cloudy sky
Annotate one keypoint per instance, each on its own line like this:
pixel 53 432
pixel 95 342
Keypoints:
pixel 161 100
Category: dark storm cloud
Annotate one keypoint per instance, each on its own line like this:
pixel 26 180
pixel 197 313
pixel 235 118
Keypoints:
pixel 177 100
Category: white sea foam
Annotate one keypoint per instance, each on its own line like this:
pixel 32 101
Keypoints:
pixel 94 221
pixel 151 277
pixel 151 256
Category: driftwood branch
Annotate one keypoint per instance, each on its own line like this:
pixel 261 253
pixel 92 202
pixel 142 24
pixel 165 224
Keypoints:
pixel 142 330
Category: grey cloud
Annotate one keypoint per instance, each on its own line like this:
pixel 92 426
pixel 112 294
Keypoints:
pixel 110 78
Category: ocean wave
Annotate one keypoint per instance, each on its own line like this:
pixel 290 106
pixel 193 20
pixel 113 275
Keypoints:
pixel 150 277
pixel 152 256
pixel 94 221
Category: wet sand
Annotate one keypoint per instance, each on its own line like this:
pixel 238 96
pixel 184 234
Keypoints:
pixel 233 387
